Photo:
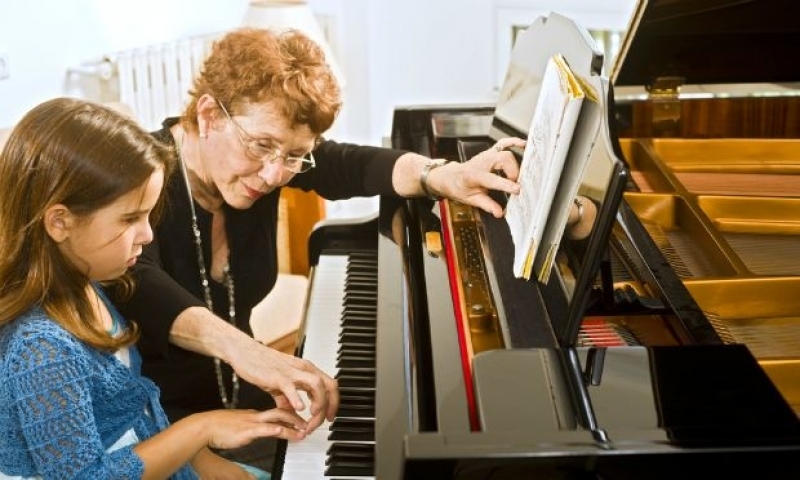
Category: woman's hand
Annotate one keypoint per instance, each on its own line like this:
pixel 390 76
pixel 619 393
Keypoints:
pixel 470 182
pixel 285 377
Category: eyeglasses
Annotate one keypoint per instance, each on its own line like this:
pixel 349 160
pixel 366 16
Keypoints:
pixel 262 149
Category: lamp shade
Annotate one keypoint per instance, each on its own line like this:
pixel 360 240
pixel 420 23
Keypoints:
pixel 284 15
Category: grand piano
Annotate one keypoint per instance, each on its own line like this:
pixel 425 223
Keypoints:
pixel 662 345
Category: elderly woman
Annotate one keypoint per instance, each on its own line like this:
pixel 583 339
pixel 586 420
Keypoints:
pixel 254 125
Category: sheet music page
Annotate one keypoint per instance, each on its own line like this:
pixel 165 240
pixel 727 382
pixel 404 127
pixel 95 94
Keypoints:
pixel 549 137
pixel 578 158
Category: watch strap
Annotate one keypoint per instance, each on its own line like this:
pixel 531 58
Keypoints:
pixel 423 176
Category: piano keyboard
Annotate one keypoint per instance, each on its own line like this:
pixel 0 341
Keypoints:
pixel 342 306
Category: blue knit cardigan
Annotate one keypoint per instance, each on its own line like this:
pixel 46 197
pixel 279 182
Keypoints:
pixel 64 403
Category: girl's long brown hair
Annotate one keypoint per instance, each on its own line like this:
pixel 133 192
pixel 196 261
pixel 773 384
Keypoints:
pixel 84 156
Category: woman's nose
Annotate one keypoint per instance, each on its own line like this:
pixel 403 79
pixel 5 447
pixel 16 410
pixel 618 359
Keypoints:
pixel 272 173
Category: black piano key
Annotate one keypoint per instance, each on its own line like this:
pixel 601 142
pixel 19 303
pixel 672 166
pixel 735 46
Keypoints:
pixel 360 349
pixel 357 332
pixel 356 373
pixel 353 451
pixel 357 338
pixel 355 358
pixel 358 325
pixel 357 400
pixel 362 276
pixel 358 389
pixel 357 411
pixel 370 312
pixel 347 436
pixel 365 269
pixel 367 308
pixel 351 469
pixel 365 352
pixel 358 320
pixel 362 280
pixel 365 314
pixel 351 363
pixel 361 372
pixel 362 264
pixel 355 381
pixel 362 426
pixel 356 299
pixel 363 257
pixel 362 288
pixel 356 363
pixel 371 329
pixel 357 452
pixel 353 430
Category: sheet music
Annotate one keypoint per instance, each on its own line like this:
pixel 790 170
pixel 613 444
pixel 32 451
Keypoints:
pixel 557 110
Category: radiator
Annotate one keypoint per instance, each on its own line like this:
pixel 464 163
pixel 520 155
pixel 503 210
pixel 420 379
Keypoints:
pixel 153 81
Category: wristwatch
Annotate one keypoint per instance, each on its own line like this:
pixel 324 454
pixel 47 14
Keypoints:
pixel 426 170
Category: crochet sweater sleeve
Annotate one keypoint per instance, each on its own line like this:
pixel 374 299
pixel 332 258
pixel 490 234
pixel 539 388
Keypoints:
pixel 51 389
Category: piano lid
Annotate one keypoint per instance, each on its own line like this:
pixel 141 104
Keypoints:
pixel 712 44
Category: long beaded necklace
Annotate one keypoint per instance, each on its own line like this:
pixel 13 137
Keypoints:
pixel 228 282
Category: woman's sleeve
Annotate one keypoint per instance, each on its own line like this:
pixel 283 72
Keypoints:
pixel 346 170
pixel 51 385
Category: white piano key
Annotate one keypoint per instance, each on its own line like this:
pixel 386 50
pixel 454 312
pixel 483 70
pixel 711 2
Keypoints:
pixel 306 459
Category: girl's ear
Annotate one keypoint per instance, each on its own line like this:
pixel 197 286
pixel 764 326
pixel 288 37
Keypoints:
pixel 57 222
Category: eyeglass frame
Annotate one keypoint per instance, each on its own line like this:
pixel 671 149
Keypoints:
pixel 252 147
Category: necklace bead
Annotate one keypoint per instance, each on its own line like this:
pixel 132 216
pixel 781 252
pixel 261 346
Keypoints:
pixel 204 281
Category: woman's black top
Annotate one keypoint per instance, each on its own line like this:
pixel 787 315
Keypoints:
pixel 168 279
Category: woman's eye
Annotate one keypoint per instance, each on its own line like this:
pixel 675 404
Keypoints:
pixel 261 149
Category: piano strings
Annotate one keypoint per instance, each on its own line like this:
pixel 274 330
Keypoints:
pixel 767 254
pixel 677 247
pixel 765 337
pixel 754 184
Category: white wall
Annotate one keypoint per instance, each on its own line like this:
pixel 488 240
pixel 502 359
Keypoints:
pixel 43 38
pixel 412 52
pixel 394 52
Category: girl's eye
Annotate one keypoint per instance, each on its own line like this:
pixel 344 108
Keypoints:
pixel 135 219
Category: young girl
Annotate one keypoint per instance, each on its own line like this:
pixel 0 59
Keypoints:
pixel 79 183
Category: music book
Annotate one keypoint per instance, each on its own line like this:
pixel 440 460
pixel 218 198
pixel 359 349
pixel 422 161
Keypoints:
pixel 557 110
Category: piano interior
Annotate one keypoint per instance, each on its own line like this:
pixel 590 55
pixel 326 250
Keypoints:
pixel 715 168
pixel 725 215
pixel 669 345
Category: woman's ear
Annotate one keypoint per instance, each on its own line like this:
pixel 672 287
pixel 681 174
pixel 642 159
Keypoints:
pixel 57 222
pixel 207 113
